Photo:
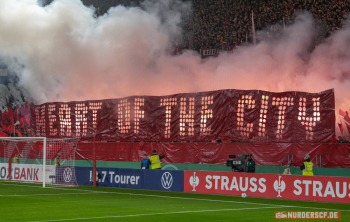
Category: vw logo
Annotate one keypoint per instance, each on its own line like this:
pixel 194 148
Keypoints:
pixel 67 174
pixel 167 180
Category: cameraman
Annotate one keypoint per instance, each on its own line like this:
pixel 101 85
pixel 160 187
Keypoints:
pixel 250 164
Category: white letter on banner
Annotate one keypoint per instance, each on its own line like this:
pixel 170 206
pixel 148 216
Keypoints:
pixel 224 183
pixel 252 183
pixel 111 173
pixel 187 118
pixel 245 102
pixel 234 184
pixel 338 190
pixel 94 106
pixel 317 188
pixel 263 186
pixel 209 183
pixel 80 119
pixel 245 188
pixel 40 120
pixel 309 121
pixel 65 120
pixel 263 113
pixel 168 103
pixel 296 185
pixel 124 116
pixel 138 113
pixel 282 104
pixel 52 120
pixel 216 178
pixel 329 190
pixel 205 115
pixel 307 183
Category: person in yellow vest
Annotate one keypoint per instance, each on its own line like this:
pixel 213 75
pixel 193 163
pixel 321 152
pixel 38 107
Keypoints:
pixel 16 159
pixel 307 166
pixel 59 172
pixel 155 160
pixel 57 159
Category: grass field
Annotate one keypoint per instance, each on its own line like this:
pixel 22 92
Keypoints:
pixel 31 202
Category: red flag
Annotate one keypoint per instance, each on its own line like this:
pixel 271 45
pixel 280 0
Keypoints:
pixel 2 134
pixel 333 139
pixel 347 126
pixel 341 128
pixel 345 114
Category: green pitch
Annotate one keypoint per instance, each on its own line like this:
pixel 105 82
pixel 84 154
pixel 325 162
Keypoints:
pixel 31 202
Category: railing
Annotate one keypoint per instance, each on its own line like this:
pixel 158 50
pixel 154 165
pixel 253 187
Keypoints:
pixel 290 159
pixel 261 139
pixel 318 161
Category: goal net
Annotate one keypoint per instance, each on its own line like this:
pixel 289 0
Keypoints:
pixel 38 159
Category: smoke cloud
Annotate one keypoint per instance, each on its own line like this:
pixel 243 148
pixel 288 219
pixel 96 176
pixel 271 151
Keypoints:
pixel 63 53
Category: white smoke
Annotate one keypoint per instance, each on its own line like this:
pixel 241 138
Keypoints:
pixel 63 53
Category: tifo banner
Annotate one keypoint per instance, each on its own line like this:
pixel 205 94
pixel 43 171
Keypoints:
pixel 242 115
pixel 169 180
pixel 311 188
pixel 26 172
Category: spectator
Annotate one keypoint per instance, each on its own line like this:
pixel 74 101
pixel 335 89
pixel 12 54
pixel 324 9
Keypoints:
pixel 145 163
pixel 287 171
pixel 227 23
pixel 215 23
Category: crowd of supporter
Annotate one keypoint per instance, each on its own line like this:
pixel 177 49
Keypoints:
pixel 226 23
pixel 102 6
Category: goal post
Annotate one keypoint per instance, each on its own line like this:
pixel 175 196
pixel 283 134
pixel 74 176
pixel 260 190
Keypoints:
pixel 39 160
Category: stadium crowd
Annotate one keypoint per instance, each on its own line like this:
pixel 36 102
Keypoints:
pixel 226 23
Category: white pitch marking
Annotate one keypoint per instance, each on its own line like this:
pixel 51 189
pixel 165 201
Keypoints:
pixel 138 215
pixel 40 194
pixel 21 184
pixel 187 198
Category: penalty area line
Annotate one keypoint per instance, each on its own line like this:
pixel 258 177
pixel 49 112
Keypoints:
pixel 41 187
pixel 41 194
pixel 152 214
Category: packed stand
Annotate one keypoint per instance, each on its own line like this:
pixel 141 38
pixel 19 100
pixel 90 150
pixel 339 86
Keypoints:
pixel 227 23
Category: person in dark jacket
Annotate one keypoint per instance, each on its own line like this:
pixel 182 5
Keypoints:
pixel 250 164
pixel 145 163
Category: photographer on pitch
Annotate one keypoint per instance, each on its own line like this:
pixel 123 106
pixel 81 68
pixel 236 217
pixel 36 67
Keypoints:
pixel 250 164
